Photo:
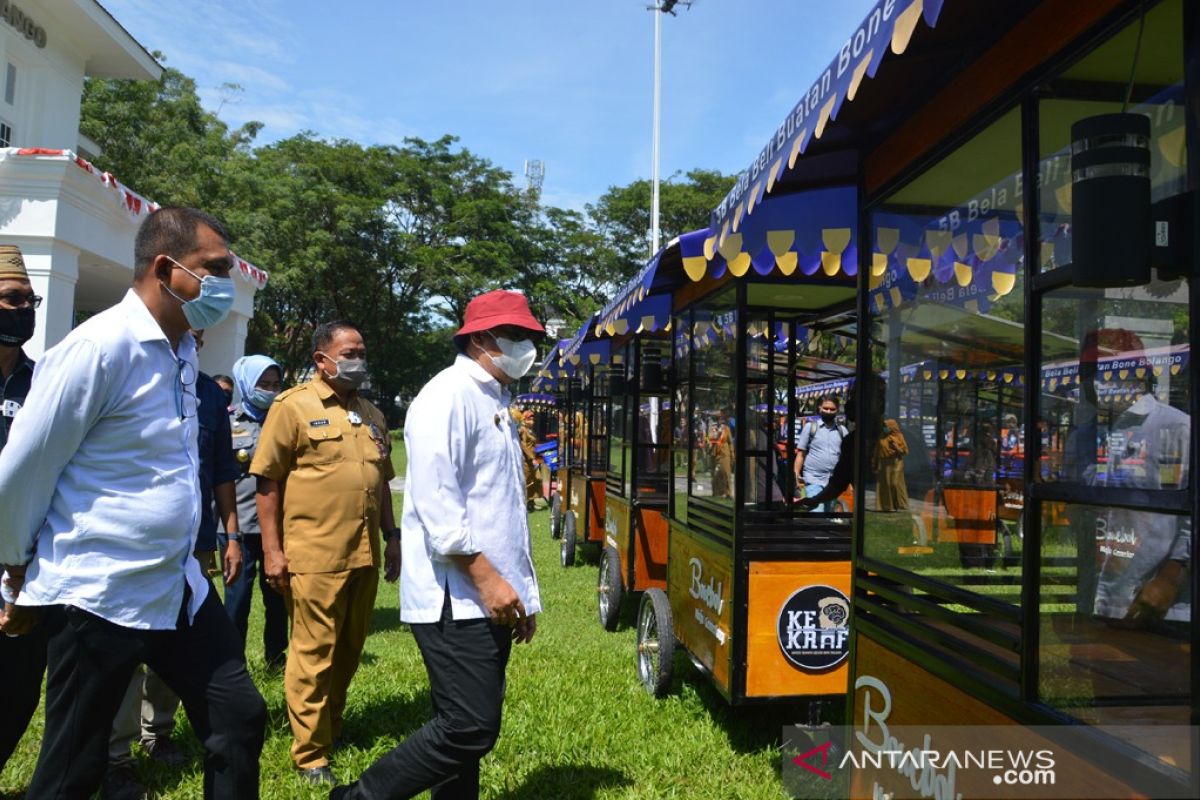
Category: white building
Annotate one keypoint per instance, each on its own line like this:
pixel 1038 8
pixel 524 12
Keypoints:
pixel 75 224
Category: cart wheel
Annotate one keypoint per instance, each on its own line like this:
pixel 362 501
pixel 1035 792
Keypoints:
pixel 555 516
pixel 566 548
pixel 655 642
pixel 609 590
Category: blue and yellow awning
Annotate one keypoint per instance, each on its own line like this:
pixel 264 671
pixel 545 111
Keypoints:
pixel 970 267
pixel 535 400
pixel 889 26
pixel 547 375
pixel 584 348
pixel 644 303
pixel 803 234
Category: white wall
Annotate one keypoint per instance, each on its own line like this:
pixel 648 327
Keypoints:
pixel 75 233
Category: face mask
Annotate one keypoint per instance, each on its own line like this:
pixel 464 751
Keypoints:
pixel 212 304
pixel 261 398
pixel 516 357
pixel 828 417
pixel 350 370
pixel 16 326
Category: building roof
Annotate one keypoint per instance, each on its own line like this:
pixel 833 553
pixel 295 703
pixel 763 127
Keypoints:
pixel 108 50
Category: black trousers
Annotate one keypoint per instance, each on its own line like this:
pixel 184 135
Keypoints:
pixel 91 662
pixel 22 663
pixel 466 661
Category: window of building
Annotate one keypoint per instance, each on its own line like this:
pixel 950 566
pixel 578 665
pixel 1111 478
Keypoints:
pixel 10 84
pixel 6 134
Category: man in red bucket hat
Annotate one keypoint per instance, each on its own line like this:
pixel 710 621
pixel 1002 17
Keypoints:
pixel 467 587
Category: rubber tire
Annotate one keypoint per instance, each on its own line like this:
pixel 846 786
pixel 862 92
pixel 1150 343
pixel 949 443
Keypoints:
pixel 609 588
pixel 555 516
pixel 566 548
pixel 654 628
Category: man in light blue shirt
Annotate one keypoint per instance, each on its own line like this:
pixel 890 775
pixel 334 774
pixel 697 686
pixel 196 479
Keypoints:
pixel 99 511
pixel 818 448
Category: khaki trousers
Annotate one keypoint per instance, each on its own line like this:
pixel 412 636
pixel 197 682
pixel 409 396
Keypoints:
pixel 331 615
pixel 148 708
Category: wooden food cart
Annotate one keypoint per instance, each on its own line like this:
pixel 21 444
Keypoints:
pixel 638 322
pixel 542 410
pixel 584 363
pixel 757 587
pixel 985 260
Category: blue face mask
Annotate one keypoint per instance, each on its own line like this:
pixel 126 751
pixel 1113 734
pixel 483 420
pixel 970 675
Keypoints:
pixel 261 398
pixel 213 303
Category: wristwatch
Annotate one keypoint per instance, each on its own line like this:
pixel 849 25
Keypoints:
pixel 394 533
pixel 236 536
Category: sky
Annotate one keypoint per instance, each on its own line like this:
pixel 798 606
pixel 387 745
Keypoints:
pixel 567 82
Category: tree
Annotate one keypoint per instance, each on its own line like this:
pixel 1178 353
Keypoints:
pixel 157 138
pixel 622 215
pixel 395 237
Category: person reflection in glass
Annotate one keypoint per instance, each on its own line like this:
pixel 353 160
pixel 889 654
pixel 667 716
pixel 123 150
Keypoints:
pixel 1142 557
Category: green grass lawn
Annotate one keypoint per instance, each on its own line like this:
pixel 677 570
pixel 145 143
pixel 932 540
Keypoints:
pixel 399 455
pixel 577 724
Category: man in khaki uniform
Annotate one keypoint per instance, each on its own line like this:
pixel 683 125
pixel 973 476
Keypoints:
pixel 323 468
pixel 533 485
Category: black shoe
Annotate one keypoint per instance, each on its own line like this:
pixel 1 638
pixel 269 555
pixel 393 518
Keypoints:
pixel 121 783
pixel 342 792
pixel 165 751
pixel 318 776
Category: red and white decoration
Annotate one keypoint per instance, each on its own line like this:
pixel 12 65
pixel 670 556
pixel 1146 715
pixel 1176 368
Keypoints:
pixel 133 202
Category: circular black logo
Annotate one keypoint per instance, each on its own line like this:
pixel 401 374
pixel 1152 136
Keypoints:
pixel 813 627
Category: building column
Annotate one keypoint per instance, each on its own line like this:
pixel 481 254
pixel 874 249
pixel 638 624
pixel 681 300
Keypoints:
pixel 53 270
pixel 224 343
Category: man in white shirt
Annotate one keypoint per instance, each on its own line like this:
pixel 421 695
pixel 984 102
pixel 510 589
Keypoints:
pixel 99 511
pixel 467 587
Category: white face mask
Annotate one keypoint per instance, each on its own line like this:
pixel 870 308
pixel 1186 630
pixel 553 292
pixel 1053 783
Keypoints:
pixel 516 357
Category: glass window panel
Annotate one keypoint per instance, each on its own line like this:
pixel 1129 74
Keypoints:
pixel 947 330
pixel 714 392
pixel 598 410
pixel 760 471
pixel 1115 614
pixel 685 429
pixel 1097 85
pixel 618 433
pixel 576 424
pixel 1114 387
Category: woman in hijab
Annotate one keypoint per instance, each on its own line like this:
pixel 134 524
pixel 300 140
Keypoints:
pixel 258 380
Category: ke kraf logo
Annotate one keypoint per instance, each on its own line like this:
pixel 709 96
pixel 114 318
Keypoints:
pixel 813 628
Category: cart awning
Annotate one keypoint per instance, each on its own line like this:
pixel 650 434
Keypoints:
pixel 535 400
pixel 644 304
pixel 1121 373
pixel 546 379
pixel 808 234
pixel 889 26
pixel 584 348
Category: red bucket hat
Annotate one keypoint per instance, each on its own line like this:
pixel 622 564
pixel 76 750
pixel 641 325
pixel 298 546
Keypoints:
pixel 493 309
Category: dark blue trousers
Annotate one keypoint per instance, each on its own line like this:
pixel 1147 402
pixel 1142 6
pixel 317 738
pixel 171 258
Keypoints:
pixel 239 594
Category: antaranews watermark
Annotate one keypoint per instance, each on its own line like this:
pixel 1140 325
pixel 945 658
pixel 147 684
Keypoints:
pixel 875 760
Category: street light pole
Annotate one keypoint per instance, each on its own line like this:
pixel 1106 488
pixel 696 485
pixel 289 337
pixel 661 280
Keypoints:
pixel 659 8
pixel 654 211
